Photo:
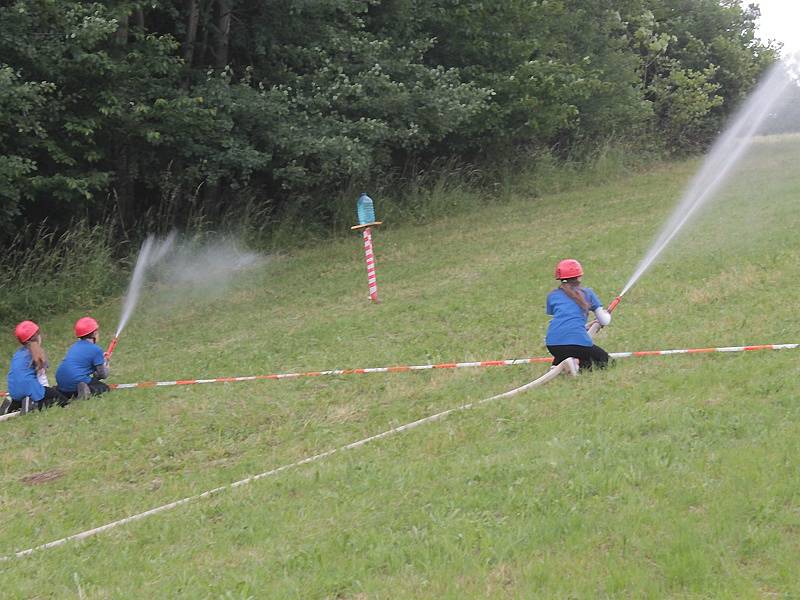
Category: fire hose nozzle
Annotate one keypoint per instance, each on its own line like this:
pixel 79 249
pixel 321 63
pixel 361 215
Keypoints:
pixel 111 347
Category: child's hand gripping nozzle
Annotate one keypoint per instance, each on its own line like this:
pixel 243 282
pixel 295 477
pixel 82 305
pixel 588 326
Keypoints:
pixel 595 325
pixel 366 221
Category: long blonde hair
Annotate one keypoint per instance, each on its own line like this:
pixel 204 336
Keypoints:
pixel 38 357
pixel 573 289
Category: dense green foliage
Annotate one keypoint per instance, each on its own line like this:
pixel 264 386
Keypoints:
pixel 161 110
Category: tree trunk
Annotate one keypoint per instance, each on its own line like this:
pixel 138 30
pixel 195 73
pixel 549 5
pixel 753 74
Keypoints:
pixel 139 15
pixel 193 9
pixel 121 37
pixel 223 32
pixel 123 184
pixel 205 19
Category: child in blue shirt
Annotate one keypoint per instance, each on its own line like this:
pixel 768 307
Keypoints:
pixel 84 365
pixel 28 387
pixel 569 305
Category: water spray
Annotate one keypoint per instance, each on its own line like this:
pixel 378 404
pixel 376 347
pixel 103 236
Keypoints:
pixel 725 153
pixel 149 254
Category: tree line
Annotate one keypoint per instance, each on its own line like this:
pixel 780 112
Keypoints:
pixel 125 107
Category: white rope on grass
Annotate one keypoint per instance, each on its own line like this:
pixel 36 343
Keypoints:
pixel 552 373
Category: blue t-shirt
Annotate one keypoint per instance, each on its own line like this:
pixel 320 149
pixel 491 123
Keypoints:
pixel 79 365
pixel 22 377
pixel 568 325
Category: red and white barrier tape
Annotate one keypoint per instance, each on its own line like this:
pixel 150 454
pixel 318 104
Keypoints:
pixel 704 350
pixel 448 365
pixel 565 367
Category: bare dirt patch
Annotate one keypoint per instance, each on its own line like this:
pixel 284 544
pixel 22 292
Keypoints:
pixel 43 477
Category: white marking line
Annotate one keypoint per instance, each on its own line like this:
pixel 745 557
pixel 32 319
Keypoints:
pixel 550 374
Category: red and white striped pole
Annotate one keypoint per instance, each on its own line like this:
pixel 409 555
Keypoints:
pixel 369 256
pixel 366 221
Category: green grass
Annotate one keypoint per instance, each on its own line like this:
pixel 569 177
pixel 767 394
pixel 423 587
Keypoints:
pixel 661 477
pixel 43 272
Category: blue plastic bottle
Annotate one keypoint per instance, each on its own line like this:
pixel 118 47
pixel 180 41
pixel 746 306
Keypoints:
pixel 366 209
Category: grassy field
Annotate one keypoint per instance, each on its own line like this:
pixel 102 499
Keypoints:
pixel 660 477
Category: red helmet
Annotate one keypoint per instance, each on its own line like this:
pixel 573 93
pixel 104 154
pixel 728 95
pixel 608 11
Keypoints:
pixel 568 268
pixel 25 331
pixel 84 326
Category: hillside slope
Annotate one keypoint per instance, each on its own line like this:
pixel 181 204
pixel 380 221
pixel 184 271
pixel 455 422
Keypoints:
pixel 667 476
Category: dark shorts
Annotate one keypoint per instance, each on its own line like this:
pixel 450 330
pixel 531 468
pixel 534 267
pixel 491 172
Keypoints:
pixel 96 387
pixel 588 356
pixel 51 396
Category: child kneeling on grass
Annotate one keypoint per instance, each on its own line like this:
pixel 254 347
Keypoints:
pixel 84 365
pixel 569 305
pixel 28 387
